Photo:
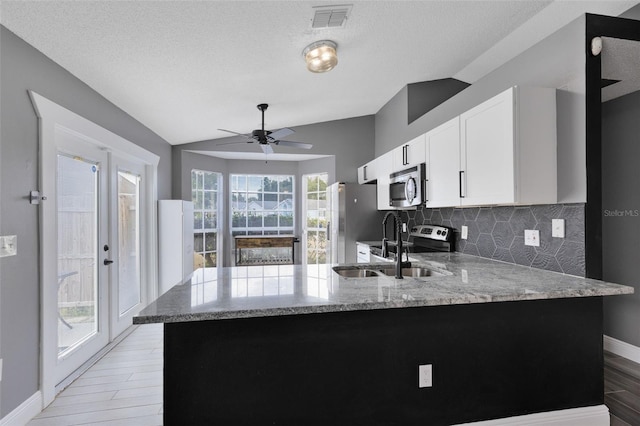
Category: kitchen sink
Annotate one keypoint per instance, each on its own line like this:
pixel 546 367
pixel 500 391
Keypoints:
pixel 355 273
pixel 413 272
pixel 373 271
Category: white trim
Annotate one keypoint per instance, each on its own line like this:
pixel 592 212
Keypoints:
pixel 52 116
pixel 46 109
pixel 585 416
pixel 24 412
pixel 621 348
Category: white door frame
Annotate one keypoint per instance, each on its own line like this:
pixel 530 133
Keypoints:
pixel 50 116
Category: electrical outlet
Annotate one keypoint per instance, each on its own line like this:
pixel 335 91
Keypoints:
pixel 8 245
pixel 532 237
pixel 425 376
pixel 557 228
pixel 464 232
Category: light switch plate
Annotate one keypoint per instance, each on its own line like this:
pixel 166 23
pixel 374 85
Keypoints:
pixel 464 232
pixel 532 237
pixel 557 228
pixel 8 245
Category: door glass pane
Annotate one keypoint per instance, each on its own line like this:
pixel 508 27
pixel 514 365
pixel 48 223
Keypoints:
pixel 77 189
pixel 128 241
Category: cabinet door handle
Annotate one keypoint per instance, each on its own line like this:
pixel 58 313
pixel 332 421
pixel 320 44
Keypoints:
pixel 405 155
pixel 460 178
pixel 425 195
pixel 328 231
pixel 365 172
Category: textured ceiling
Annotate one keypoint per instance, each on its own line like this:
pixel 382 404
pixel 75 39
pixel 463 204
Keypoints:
pixel 187 68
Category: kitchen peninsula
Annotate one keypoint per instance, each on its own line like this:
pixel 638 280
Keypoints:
pixel 296 345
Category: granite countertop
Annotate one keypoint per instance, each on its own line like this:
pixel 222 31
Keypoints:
pixel 260 291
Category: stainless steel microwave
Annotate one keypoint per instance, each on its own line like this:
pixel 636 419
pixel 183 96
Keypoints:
pixel 406 187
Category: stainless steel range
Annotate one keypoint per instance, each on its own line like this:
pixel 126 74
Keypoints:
pixel 432 238
pixel 423 239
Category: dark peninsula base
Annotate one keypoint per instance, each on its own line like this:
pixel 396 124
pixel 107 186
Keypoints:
pixel 490 360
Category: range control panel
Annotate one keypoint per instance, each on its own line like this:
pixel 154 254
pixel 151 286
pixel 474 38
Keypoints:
pixel 433 232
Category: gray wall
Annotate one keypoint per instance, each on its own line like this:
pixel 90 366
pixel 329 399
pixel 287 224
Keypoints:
pixel 24 68
pixel 621 214
pixel 558 62
pixel 347 143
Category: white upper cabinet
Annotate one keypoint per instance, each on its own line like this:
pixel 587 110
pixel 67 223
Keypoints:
pixel 503 151
pixel 384 169
pixel 443 145
pixel 409 154
pixel 368 172
pixel 508 149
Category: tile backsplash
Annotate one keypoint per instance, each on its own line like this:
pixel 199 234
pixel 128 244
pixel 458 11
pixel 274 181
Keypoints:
pixel 498 233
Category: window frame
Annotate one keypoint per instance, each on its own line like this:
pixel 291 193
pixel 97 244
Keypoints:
pixel 217 211
pixel 281 196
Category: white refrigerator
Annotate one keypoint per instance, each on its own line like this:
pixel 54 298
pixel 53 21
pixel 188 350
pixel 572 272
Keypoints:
pixel 175 242
pixel 353 216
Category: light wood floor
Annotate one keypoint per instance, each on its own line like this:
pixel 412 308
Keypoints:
pixel 123 388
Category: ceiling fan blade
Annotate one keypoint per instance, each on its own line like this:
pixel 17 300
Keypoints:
pixel 294 144
pixel 234 143
pixel 266 148
pixel 281 133
pixel 235 133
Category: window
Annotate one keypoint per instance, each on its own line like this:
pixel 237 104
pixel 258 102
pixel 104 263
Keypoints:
pixel 205 191
pixel 315 212
pixel 262 205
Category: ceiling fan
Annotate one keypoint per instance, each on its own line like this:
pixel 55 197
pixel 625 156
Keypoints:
pixel 266 137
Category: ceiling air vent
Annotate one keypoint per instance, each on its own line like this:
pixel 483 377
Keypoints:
pixel 330 16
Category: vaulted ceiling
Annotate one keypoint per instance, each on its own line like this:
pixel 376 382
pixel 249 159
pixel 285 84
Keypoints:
pixel 188 68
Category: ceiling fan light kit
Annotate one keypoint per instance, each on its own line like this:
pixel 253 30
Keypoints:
pixel 321 56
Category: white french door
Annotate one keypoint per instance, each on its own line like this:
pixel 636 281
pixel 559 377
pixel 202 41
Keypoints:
pixel 82 255
pixel 127 211
pixel 98 239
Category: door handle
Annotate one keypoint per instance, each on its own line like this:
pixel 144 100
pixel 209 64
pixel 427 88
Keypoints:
pixel 107 262
pixel 328 231
pixel 365 172
pixel 460 179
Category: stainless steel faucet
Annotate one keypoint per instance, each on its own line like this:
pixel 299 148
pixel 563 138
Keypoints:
pixel 385 241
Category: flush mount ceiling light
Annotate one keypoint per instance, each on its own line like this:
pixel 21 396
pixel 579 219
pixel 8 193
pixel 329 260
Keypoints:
pixel 321 56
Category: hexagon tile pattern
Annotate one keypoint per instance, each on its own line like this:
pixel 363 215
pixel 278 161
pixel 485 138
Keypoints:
pixel 498 233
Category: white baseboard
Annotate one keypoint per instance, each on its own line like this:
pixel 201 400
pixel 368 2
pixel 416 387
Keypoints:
pixel 621 348
pixel 585 416
pixel 24 412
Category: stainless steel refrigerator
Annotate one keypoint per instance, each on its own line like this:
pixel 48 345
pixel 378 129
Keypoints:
pixel 353 216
